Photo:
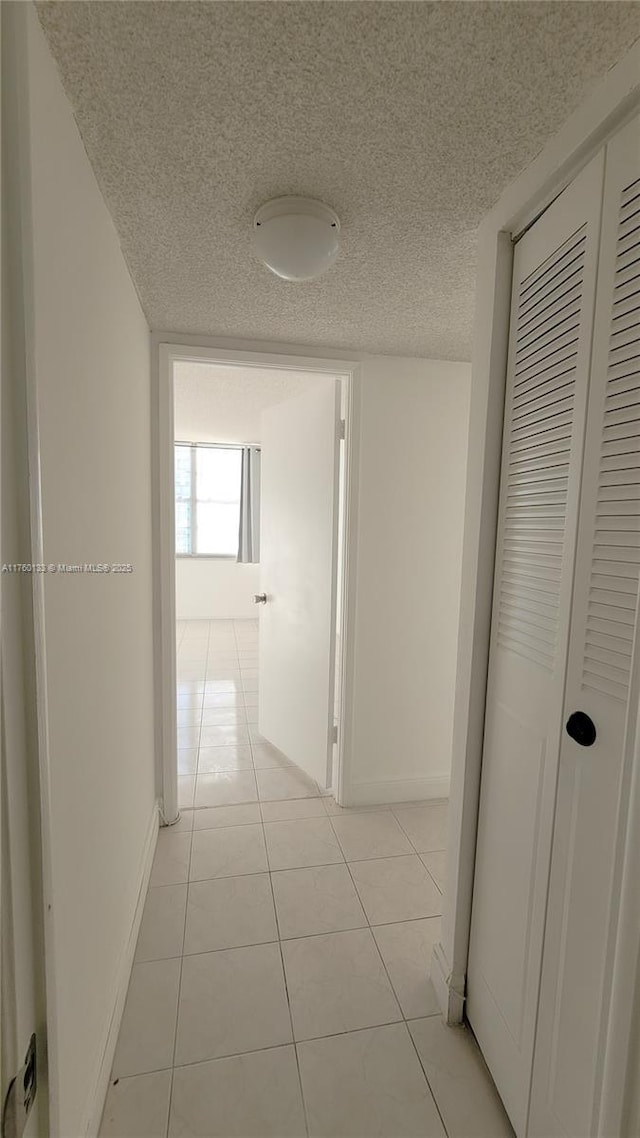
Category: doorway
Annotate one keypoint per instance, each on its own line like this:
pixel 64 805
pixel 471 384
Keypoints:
pixel 257 469
pixel 202 579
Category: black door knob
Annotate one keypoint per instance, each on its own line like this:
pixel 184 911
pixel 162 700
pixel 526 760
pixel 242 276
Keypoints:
pixel 581 728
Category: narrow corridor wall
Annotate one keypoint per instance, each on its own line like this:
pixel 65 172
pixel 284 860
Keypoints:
pixel 91 364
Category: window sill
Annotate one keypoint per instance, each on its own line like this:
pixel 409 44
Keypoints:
pixel 207 557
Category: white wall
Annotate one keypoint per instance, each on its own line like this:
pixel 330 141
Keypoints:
pixel 412 467
pixel 92 376
pixel 208 588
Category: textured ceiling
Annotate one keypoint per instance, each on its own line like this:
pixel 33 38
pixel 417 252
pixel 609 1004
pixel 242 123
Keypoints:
pixel 408 118
pixel 215 404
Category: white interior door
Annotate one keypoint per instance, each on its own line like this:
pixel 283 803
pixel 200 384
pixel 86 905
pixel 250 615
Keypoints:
pixel 600 683
pixel 298 544
pixel 545 411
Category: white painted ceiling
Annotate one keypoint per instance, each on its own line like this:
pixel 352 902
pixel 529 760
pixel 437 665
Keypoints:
pixel 215 404
pixel 409 118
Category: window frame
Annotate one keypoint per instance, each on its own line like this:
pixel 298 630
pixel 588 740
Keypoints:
pixel 193 500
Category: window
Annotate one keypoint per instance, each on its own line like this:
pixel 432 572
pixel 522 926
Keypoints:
pixel 207 484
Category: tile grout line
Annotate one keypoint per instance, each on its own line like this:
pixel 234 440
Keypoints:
pixel 405 1021
pixel 236 661
pixel 381 857
pixel 276 1046
pixel 370 928
pixel 426 1077
pixel 380 925
pixel 313 865
pixel 309 818
pixel 286 987
pixel 195 783
pixel 175 1032
pixel 287 939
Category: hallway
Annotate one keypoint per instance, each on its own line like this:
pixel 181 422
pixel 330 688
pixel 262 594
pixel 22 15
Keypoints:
pixel 281 978
pixel 460 251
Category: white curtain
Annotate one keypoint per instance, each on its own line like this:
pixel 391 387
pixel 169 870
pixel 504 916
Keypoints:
pixel 249 538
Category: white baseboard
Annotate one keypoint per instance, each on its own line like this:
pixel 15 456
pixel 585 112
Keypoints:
pixel 449 992
pixel 97 1096
pixel 397 790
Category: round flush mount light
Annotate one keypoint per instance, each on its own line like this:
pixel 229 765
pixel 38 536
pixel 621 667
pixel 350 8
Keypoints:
pixel 297 238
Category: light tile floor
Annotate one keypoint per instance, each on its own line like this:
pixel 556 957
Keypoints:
pixel 281 982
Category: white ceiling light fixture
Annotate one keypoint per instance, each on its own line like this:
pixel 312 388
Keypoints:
pixel 297 238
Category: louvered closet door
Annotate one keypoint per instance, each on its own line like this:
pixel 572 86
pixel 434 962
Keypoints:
pixel 552 312
pixel 582 895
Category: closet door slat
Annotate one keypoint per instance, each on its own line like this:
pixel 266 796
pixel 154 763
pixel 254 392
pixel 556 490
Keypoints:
pixel 545 407
pixel 601 682
pixel 619 525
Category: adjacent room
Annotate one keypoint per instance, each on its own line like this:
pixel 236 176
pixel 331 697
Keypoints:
pixel 219 421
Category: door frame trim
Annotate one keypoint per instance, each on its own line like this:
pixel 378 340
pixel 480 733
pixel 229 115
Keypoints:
pixel 166 350
pixel 38 897
pixel 614 102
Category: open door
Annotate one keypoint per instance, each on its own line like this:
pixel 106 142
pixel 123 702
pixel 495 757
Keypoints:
pixel 298 574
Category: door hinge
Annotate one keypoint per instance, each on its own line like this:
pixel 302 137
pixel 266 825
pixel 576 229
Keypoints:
pixel 342 429
pixel 334 735
pixel 20 1095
